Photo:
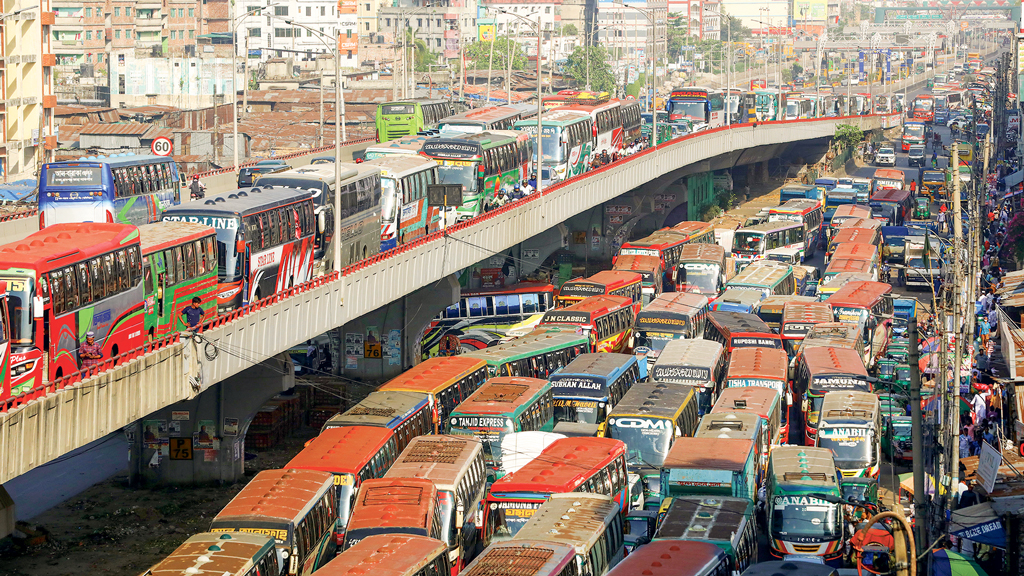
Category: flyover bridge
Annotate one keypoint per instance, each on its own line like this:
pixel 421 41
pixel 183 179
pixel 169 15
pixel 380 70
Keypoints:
pixel 64 415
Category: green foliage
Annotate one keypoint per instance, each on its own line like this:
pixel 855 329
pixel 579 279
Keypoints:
pixel 725 199
pixel 569 30
pixel 419 54
pixel 637 87
pixel 601 77
pixel 1014 240
pixel 797 68
pixel 711 211
pixel 733 29
pixel 848 136
pixel 478 54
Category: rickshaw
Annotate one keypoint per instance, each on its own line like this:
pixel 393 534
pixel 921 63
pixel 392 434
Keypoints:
pixel 922 208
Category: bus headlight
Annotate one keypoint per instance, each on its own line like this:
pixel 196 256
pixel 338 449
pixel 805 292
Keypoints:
pixel 19 369
pixel 228 293
pixel 284 553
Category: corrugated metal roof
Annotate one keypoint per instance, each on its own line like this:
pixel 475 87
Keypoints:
pixel 74 109
pixel 158 131
pixel 125 129
pixel 148 110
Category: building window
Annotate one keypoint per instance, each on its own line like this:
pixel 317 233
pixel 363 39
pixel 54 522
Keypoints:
pixel 419 22
pixel 191 33
pixel 547 9
pixel 191 12
pixel 254 32
pixel 117 12
pixel 99 58
pixel 172 34
pixel 128 12
pixel 117 33
pixel 280 11
pixel 387 22
pixel 88 12
pixel 309 11
pixel 308 32
pixel 438 22
pixel 88 34
pixel 323 11
pixel 438 42
pixel 367 25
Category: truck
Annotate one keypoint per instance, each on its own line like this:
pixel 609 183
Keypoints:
pixel 922 272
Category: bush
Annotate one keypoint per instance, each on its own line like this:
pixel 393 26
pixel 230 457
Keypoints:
pixel 710 213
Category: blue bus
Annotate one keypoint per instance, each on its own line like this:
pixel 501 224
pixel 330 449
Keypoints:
pixel 123 188
pixel 738 300
pixel 587 389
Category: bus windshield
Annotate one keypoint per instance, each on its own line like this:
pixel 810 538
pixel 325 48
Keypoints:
pixel 913 130
pixel 484 429
pixel 551 144
pixel 227 254
pixel 851 446
pixel 805 517
pixel 792 109
pixel 924 104
pixel 461 172
pixel 647 441
pixel 750 241
pixel 388 199
pixel 19 302
pixel 705 277
pixel 688 110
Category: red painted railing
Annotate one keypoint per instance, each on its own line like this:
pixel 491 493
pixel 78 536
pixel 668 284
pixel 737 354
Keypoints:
pixel 224 319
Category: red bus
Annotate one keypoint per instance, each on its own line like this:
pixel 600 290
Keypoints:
pixel 821 370
pixel 391 555
pixel 650 270
pixel 446 382
pixel 607 119
pixel 696 232
pixel 394 506
pixel 740 330
pixel 606 320
pixel 763 368
pixel 665 244
pixel 867 305
pixel 857 250
pixel 846 212
pixel 797 320
pixel 64 282
pixel 854 235
pixel 607 282
pixel 923 108
pixel 574 464
pixel 898 199
pixel 352 454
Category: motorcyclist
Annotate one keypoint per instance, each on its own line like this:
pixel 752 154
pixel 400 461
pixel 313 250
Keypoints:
pixel 197 190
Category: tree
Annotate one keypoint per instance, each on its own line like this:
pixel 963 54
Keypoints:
pixel 600 71
pixel 733 29
pixel 848 136
pixel 419 54
pixel 569 30
pixel 637 87
pixel 478 54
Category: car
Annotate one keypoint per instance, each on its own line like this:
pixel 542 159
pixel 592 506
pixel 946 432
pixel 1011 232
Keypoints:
pixel 323 160
pixel 982 130
pixel 250 174
pixel 886 156
pixel 958 120
pixel 915 156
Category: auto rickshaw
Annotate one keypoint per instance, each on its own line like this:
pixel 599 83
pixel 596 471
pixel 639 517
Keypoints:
pixel 922 208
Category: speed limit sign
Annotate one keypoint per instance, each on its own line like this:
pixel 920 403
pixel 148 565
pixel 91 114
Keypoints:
pixel 162 146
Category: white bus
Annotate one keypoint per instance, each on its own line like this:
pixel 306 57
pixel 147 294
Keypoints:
pixel 591 523
pixel 567 143
pixel 404 214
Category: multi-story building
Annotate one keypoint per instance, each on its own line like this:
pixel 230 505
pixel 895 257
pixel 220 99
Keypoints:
pixel 759 15
pixel 626 30
pixel 443 25
pixel 299 29
pixel 26 80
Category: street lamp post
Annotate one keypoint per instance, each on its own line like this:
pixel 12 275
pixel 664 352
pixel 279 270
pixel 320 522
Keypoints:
pixel 650 14
pixel 540 105
pixel 234 73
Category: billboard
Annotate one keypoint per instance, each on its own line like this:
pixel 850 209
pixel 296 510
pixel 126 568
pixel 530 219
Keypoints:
pixel 347 7
pixel 485 32
pixel 809 10
pixel 348 41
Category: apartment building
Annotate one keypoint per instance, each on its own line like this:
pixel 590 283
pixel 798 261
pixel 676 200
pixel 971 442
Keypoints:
pixel 300 29
pixel 444 25
pixel 630 31
pixel 27 102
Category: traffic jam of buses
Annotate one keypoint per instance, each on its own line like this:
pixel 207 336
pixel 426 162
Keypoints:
pixel 716 401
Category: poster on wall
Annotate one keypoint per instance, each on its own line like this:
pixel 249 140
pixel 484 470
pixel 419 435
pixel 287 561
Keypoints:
pixel 371 346
pixel 353 350
pixel 154 432
pixel 204 436
pixel 393 349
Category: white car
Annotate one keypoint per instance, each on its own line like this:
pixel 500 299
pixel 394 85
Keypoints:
pixel 886 156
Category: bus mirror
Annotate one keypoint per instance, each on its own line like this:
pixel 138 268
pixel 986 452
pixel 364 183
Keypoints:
pixel 293 562
pixel 321 222
pixel 37 307
pixel 240 246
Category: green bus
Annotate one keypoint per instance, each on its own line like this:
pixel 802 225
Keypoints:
pixel 503 406
pixel 799 521
pixel 567 142
pixel 179 262
pixel 406 117
pixel 482 164
pixel 536 355
pixel 766 104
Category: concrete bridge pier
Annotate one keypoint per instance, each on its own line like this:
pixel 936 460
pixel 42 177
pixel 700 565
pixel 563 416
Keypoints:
pixel 202 440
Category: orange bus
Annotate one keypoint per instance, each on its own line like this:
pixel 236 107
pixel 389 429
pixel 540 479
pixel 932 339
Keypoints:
pixel 849 265
pixel 762 368
pixel 740 330
pixel 409 414
pixel 391 555
pixel 867 305
pixel 446 381
pixel 851 235
pixel 574 464
pixel 352 454
pixel 846 212
pixel 797 320
pixel 766 403
pixel 607 283
pixel 650 270
pixel 696 232
pixel 394 506
pixel 857 250
pixel 821 370
pixel 665 244
pixel 606 320
pixel 294 507
pixel 869 223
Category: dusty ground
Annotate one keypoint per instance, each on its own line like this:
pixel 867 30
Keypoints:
pixel 111 529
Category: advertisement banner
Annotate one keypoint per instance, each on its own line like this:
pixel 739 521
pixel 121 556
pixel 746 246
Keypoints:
pixel 348 42
pixel 485 32
pixel 806 10
pixel 347 7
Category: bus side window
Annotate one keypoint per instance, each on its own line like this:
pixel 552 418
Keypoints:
pixel 179 263
pixel 71 285
pixel 84 285
pixel 190 260
pixel 57 291
pixel 98 290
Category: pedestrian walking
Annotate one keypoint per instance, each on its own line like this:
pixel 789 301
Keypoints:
pixel 90 353
pixel 983 330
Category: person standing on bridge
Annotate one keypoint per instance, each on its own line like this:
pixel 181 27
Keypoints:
pixel 193 314
pixel 90 353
